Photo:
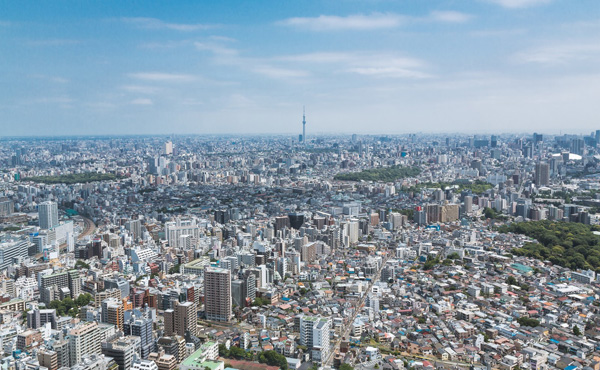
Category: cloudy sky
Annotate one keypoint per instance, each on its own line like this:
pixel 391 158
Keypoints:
pixel 374 66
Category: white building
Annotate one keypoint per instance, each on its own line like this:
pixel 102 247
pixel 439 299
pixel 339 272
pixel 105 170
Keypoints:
pixel 48 215
pixel 315 332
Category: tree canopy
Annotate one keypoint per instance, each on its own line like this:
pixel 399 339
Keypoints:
pixel 567 244
pixel 73 178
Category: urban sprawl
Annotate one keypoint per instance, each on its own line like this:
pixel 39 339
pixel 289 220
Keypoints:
pixel 261 253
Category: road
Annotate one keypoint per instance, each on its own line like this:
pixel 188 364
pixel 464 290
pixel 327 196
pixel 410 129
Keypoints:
pixel 359 307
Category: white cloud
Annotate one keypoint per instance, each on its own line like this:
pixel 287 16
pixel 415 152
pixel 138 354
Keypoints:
pixel 215 48
pixel 162 77
pixel 53 42
pixel 140 89
pixel 141 101
pixel 279 73
pixel 560 54
pixel 56 79
pixel 372 21
pixel 351 22
pixel 154 23
pixel 516 4
pixel 450 16
pixel 368 64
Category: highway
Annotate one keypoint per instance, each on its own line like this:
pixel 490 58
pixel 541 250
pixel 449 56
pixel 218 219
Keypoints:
pixel 358 309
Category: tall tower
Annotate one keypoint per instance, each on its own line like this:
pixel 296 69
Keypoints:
pixel 303 125
pixel 217 293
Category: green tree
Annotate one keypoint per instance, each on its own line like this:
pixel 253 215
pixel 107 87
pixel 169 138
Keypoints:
pixel 576 330
pixel 346 367
pixel 223 351
pixel 274 359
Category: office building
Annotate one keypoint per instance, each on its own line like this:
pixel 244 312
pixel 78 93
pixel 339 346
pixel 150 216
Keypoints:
pixel 7 207
pixel 118 283
pixel 13 249
pixel 168 147
pixel 542 174
pixel 38 318
pixel 217 293
pixel 121 350
pixel 48 215
pixel 141 327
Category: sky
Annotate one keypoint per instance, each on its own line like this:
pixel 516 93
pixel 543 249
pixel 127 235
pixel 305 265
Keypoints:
pixel 249 67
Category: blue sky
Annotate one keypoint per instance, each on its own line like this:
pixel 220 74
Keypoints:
pixel 367 67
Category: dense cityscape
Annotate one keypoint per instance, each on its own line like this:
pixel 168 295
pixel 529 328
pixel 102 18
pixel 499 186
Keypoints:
pixel 313 252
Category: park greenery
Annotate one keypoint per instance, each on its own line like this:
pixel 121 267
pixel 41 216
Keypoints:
pixel 493 214
pixel 258 301
pixel 567 244
pixel 271 358
pixel 73 178
pixel 527 321
pixel 82 264
pixel 385 174
pixel 70 306
pixel 476 187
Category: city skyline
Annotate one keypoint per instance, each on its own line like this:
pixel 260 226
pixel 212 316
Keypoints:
pixel 377 67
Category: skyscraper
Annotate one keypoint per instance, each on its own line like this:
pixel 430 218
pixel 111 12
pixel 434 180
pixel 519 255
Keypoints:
pixel 542 174
pixel 577 146
pixel 169 147
pixel 217 293
pixel 303 126
pixel 48 215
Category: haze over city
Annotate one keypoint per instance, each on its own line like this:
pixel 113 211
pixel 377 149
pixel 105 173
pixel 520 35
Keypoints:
pixel 487 66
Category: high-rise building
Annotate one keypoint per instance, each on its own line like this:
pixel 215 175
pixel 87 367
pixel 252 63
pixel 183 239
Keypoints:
pixel 113 312
pixel 168 147
pixel 296 220
pixel 52 285
pixel 141 327
pixel 217 293
pixel 38 318
pixel 13 248
pixel 118 283
pixel 468 202
pixel 121 350
pixel 577 146
pixel 542 174
pixel 314 334
pixel 7 207
pixel 84 340
pixel 48 359
pixel 174 346
pixel 181 319
pixel 135 228
pixel 48 215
